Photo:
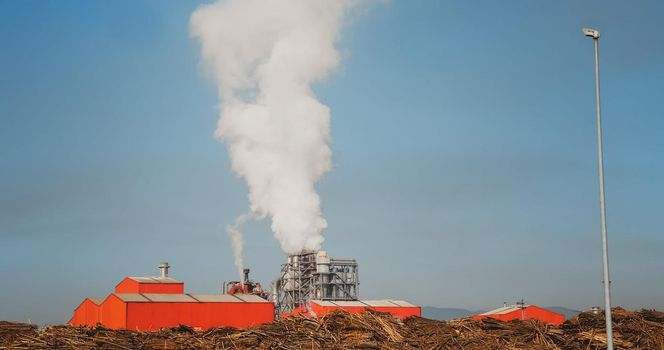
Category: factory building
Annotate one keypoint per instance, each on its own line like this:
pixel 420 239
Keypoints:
pixel 522 311
pixel 319 308
pixel 151 303
pixel 314 284
pixel 315 276
pixel 310 284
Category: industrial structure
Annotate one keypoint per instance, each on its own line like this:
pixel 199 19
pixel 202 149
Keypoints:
pixel 319 308
pixel 314 284
pixel 310 284
pixel 315 276
pixel 246 286
pixel 151 303
pixel 522 311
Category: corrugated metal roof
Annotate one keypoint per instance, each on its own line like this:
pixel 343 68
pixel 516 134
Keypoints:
pixel 132 297
pixel 188 298
pixel 348 303
pixel 170 298
pixel 504 310
pixel 250 298
pixel 364 303
pixel 166 280
pixel 381 303
pixel 402 303
pixel 495 311
pixel 97 301
pixel 216 298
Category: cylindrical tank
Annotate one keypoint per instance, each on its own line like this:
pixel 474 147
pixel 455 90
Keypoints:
pixel 288 281
pixel 322 262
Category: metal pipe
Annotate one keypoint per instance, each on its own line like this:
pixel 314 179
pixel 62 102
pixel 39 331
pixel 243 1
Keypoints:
pixel 602 204
pixel 602 211
pixel 164 269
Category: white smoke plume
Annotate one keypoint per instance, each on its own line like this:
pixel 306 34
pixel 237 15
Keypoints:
pixel 264 55
pixel 237 240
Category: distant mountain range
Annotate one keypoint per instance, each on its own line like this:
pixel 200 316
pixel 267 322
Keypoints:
pixel 569 313
pixel 446 314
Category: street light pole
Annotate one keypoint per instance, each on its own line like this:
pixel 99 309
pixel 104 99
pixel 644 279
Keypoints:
pixel 602 209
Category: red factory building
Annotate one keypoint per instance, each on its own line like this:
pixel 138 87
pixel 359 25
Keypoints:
pixel 521 311
pixel 151 303
pixel 319 308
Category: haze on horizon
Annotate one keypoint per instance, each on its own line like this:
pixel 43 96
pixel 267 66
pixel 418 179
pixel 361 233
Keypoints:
pixel 463 142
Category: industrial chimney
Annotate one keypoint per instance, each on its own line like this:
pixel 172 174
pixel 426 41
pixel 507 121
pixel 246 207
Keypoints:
pixel 164 269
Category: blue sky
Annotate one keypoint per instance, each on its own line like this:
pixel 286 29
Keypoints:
pixel 463 140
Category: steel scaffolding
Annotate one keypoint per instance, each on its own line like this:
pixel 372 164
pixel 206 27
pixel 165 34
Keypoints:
pixel 314 275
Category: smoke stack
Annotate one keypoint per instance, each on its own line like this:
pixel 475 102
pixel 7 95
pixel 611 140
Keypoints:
pixel 246 275
pixel 164 269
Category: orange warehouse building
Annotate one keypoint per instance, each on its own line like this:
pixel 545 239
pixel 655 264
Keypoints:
pixel 523 312
pixel 319 308
pixel 151 303
pixel 164 285
pixel 87 313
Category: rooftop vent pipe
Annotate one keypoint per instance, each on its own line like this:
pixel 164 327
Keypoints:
pixel 164 269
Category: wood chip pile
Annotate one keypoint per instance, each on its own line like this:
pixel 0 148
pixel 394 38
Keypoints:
pixel 370 330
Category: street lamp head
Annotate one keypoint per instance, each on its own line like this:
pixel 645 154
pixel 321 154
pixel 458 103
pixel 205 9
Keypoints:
pixel 590 32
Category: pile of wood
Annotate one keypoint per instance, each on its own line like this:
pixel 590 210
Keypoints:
pixel 10 331
pixel 631 330
pixel 370 330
